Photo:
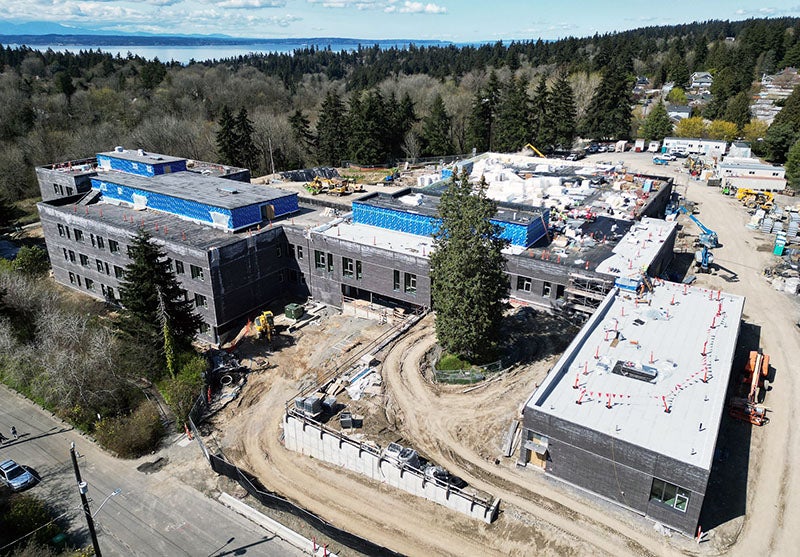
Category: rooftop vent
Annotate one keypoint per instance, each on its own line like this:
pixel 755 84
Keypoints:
pixel 140 152
pixel 227 190
pixel 635 370
pixel 119 149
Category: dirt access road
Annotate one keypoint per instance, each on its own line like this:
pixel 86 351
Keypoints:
pixel 463 431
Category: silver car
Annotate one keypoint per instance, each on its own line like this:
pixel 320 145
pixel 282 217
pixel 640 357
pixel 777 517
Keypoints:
pixel 15 476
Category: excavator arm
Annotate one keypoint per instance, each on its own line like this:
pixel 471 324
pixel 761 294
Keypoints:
pixel 535 150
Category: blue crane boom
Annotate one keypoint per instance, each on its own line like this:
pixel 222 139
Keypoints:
pixel 707 237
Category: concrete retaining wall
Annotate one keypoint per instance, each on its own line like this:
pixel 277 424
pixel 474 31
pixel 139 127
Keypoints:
pixel 315 440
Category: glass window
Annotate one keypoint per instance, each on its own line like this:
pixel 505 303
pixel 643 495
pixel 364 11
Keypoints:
pixel 66 255
pixel 89 284
pixel 100 242
pixel 197 272
pixel 84 260
pixel 358 270
pixel 299 252
pixel 524 284
pixel 319 259
pixel 330 262
pixel 66 229
pixel 55 189
pixel 291 250
pixel 396 281
pixel 99 265
pixel 204 327
pixel 410 283
pixel 113 246
pixel 72 277
pixel 348 267
pixel 69 190
pixel 278 252
pixel 119 272
pixel 78 235
pixel 669 494
pixel 61 230
pixel 281 276
pixel 200 301
pixel 110 293
pixel 546 289
pixel 94 242
pixel 179 267
pixel 72 256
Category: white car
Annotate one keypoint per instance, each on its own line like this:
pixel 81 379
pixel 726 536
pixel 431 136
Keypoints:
pixel 668 156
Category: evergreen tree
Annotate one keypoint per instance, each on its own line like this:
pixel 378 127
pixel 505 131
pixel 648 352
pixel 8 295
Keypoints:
pixel 469 284
pixel 512 122
pixel 401 117
pixel 481 124
pixel 723 88
pixel 738 110
pixel 793 166
pixel 226 137
pixel 657 125
pixel 245 153
pixel 541 131
pixel 64 84
pixel 332 131
pixel 148 286
pixel 784 130
pixel 301 128
pixel 563 112
pixel 609 113
pixel 436 131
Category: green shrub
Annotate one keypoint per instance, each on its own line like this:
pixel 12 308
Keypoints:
pixel 134 435
pixel 22 513
pixel 451 362
pixel 182 391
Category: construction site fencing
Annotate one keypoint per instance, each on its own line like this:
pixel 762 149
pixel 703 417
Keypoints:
pixel 475 374
pixel 250 483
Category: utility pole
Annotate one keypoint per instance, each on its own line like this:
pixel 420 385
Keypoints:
pixel 82 489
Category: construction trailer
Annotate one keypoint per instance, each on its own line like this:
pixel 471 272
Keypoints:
pixel 695 146
pixel 631 411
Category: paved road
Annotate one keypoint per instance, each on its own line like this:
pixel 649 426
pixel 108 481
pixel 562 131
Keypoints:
pixel 154 514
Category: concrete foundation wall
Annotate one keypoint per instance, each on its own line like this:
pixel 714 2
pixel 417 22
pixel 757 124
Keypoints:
pixel 330 446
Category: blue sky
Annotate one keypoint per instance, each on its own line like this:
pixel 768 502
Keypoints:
pixel 455 20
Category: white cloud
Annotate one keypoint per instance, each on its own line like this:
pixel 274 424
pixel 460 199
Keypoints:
pixel 419 7
pixel 240 4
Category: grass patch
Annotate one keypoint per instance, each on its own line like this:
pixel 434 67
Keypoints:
pixel 451 362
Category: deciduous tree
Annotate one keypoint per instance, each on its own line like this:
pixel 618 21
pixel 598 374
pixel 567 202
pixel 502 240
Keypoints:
pixel 721 129
pixel 469 284
pixel 691 127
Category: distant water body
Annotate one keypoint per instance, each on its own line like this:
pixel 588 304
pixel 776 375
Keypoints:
pixel 199 53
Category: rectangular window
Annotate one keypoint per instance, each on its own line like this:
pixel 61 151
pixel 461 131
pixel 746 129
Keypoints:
pixel 204 327
pixel 524 284
pixel 78 278
pixel 669 494
pixel 113 246
pixel 100 242
pixel 319 259
pixel 69 190
pixel 84 260
pixel 546 289
pixel 278 252
pixel 410 283
pixel 302 278
pixel 110 294
pixel 197 272
pixel 559 291
pixel 71 277
pixel 330 262
pixel 71 256
pixel 66 229
pixel 89 284
pixel 281 276
pixel 61 230
pixel 99 265
pixel 179 267
pixel 200 301
pixel 348 267
pixel 79 235
pixel 55 189
pixel 94 242
pixel 358 270
pixel 66 256
pixel 396 281
pixel 291 250
pixel 299 252
pixel 119 272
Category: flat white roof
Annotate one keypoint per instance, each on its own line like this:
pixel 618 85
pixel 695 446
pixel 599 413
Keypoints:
pixel 638 248
pixel 392 240
pixel 683 337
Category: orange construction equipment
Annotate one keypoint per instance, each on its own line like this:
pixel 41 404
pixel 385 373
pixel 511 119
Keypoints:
pixel 756 370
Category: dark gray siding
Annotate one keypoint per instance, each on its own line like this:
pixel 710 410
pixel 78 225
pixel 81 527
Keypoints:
pixel 616 469
pixel 67 183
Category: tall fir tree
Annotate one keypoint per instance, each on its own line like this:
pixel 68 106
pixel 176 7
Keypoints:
pixel 738 110
pixel 436 130
pixel 513 116
pixel 226 137
pixel 152 299
pixel 563 112
pixel 609 113
pixel 481 122
pixel 657 125
pixel 245 152
pixel 541 134
pixel 301 128
pixel 332 131
pixel 469 285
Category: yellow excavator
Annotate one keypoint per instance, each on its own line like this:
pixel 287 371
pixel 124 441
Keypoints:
pixel 265 325
pixel 755 199
pixel 535 150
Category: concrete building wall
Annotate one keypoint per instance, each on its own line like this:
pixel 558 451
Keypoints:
pixel 615 469
pixel 55 184
pixel 330 446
